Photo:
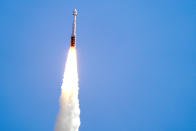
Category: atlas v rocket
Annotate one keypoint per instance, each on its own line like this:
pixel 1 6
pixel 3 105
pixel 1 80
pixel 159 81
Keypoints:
pixel 73 35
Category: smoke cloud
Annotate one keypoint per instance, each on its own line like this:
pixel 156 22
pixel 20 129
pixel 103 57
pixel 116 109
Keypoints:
pixel 68 118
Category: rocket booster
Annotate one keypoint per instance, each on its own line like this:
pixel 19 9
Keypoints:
pixel 73 35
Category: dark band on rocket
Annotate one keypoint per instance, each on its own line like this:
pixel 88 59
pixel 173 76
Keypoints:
pixel 73 41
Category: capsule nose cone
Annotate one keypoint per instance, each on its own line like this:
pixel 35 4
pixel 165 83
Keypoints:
pixel 74 12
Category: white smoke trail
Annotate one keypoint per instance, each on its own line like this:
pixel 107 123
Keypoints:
pixel 68 118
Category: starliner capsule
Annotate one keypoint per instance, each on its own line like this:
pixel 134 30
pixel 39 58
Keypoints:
pixel 73 35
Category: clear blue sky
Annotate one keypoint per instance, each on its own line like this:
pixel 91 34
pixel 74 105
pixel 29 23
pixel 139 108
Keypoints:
pixel 137 63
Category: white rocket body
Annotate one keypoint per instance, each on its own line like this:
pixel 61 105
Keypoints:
pixel 73 35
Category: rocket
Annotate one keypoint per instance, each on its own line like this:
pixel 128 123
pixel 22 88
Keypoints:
pixel 73 35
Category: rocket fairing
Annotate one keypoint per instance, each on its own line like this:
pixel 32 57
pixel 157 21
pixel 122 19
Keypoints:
pixel 73 35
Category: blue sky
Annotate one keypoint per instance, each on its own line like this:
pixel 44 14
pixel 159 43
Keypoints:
pixel 136 61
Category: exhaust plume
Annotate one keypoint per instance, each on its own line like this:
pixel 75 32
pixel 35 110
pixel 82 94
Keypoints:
pixel 68 118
